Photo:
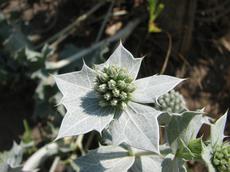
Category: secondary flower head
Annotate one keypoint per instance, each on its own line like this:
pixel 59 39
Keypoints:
pixel 221 158
pixel 110 96
pixel 172 102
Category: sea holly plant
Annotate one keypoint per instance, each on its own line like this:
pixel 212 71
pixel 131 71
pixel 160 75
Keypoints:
pixel 127 112
pixel 111 96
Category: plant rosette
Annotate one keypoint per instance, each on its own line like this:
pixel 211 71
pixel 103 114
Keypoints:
pixel 110 95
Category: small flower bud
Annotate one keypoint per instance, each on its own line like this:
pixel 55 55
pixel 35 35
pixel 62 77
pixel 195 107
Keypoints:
pixel 102 88
pixel 121 84
pixel 164 105
pixel 112 72
pixel 216 162
pixel 103 77
pixel 116 92
pixel 167 99
pixel 107 96
pixel 160 101
pixel 128 79
pixel 171 104
pixel 123 95
pixel 113 102
pixel 219 155
pixel 123 105
pixel 122 74
pixel 111 84
pixel 177 108
pixel 131 87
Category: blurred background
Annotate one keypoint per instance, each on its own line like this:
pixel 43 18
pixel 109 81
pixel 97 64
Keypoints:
pixel 38 38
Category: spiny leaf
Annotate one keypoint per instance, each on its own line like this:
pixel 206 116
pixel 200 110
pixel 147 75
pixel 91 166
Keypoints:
pixel 138 127
pixel 150 88
pixel 217 130
pixel 121 57
pixel 178 128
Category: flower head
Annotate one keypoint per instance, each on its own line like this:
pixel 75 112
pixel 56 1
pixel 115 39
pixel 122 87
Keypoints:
pixel 114 86
pixel 110 96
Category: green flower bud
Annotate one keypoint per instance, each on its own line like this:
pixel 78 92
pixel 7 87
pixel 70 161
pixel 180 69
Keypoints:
pixel 128 80
pixel 111 84
pixel 116 92
pixel 107 96
pixel 164 105
pixel 131 87
pixel 122 75
pixel 123 95
pixel 121 84
pixel 103 77
pixel 123 105
pixel 167 99
pixel 102 88
pixel 216 162
pixel 219 155
pixel 112 72
pixel 113 102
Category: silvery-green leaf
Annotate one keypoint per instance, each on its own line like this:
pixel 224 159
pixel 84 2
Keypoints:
pixel 217 130
pixel 76 85
pixel 164 118
pixel 137 126
pixel 150 88
pixel 207 157
pixel 121 57
pixel 106 159
pixel 84 118
pixel 173 164
pixel 178 127
pixel 147 164
pixel 83 112
pixel 193 128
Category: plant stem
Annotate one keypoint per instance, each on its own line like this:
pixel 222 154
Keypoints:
pixel 36 160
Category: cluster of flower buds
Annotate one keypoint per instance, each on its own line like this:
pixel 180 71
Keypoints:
pixel 221 158
pixel 114 87
pixel 172 102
